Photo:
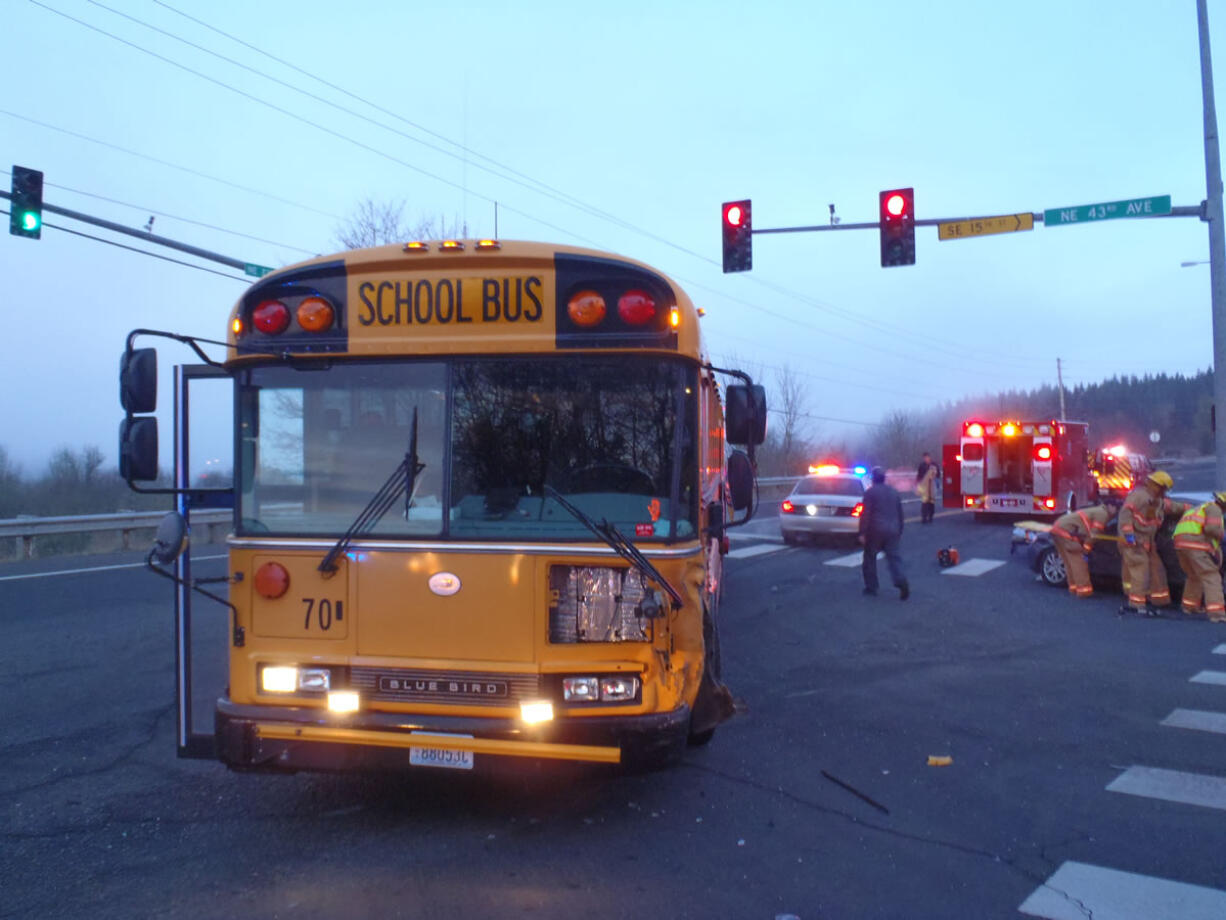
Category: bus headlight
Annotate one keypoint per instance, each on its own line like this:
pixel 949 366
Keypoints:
pixel 278 678
pixel 599 604
pixel 616 688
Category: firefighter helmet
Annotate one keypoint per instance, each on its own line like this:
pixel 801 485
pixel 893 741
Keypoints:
pixel 1220 498
pixel 1161 478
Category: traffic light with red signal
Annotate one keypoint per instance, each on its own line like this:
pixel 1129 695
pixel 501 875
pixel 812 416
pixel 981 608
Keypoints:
pixel 737 226
pixel 897 222
pixel 26 203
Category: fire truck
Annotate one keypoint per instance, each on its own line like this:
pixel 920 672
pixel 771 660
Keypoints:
pixel 1116 470
pixel 1018 467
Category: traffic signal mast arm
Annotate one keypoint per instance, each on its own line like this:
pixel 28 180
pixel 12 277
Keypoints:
pixel 1177 211
pixel 152 238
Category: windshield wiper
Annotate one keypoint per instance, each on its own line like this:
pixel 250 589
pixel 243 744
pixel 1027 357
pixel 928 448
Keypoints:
pixel 401 482
pixel 619 544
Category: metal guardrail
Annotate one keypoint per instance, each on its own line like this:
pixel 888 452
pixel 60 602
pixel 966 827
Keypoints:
pixel 26 530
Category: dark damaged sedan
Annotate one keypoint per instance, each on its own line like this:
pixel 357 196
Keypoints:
pixel 1032 544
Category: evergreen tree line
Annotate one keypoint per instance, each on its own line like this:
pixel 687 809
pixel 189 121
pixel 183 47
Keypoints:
pixel 1122 409
pixel 1119 410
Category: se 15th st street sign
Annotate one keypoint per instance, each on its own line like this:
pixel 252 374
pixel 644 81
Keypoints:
pixel 1108 210
pixel 982 226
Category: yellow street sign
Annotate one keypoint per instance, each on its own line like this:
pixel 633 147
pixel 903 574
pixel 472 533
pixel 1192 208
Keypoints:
pixel 982 226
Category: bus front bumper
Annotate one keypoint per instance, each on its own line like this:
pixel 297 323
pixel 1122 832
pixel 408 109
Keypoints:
pixel 291 738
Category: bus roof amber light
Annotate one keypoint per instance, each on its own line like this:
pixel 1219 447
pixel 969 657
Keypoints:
pixel 674 317
pixel 236 325
pixel 451 246
pixel 416 246
pixel 271 580
pixel 315 314
pixel 271 317
pixel 586 308
pixel 488 244
pixel 636 307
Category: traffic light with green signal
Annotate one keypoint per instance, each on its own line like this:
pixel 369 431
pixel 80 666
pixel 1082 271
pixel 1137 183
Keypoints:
pixel 737 227
pixel 26 204
pixel 897 222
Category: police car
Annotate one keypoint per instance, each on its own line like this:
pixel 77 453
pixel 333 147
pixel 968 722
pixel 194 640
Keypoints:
pixel 827 502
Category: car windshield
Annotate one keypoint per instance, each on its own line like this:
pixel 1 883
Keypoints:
pixel 615 435
pixel 830 485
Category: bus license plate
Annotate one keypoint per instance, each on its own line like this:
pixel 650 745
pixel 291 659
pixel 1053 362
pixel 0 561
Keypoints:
pixel 434 757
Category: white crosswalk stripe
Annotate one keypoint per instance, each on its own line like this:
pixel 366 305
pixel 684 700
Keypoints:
pixel 757 549
pixel 1209 677
pixel 1172 786
pixel 1197 719
pixel 973 567
pixel 1076 891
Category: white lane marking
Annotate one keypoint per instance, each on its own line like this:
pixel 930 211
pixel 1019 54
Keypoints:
pixel 1198 719
pixel 1172 786
pixel 758 550
pixel 851 560
pixel 973 567
pixel 1220 650
pixel 1209 677
pixel 95 568
pixel 1078 890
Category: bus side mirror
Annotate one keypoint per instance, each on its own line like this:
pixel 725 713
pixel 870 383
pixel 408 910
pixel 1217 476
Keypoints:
pixel 138 380
pixel 745 417
pixel 171 539
pixel 138 448
pixel 740 480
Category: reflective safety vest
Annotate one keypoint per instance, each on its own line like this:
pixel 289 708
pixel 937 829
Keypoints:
pixel 1190 532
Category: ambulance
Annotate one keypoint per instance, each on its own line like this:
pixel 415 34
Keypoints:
pixel 1018 467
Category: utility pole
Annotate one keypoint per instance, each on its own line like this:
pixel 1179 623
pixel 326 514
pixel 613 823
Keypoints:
pixel 1060 383
pixel 1217 238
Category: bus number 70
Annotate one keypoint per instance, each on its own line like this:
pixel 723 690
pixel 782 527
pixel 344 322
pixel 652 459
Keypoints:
pixel 323 610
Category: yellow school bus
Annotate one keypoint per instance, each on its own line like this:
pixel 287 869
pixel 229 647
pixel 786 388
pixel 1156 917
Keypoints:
pixel 480 498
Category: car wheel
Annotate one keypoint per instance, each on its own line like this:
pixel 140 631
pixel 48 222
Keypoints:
pixel 1051 568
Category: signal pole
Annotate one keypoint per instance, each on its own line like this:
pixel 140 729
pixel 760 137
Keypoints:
pixel 1217 239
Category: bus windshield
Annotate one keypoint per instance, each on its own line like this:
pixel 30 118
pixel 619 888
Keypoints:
pixel 616 435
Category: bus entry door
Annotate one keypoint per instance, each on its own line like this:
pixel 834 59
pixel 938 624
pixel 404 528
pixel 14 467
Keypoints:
pixel 204 483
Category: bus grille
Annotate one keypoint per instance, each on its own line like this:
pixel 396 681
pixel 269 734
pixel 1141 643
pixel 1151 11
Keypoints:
pixel 461 688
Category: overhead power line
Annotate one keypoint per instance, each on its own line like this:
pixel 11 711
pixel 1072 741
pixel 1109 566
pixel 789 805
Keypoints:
pixel 535 184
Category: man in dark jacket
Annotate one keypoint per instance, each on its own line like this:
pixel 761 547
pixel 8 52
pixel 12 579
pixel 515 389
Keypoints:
pixel 881 530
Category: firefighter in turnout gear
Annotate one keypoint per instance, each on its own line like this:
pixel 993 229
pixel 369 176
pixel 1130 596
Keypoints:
pixel 1073 534
pixel 1198 542
pixel 1144 575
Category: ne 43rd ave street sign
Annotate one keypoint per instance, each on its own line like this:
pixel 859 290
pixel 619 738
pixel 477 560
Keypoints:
pixel 1108 210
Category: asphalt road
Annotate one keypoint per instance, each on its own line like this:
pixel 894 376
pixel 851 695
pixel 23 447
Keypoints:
pixel 818 800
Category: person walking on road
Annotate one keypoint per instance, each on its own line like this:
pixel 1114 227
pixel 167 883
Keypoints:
pixel 1144 575
pixel 1198 543
pixel 1074 534
pixel 881 530
pixel 926 488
